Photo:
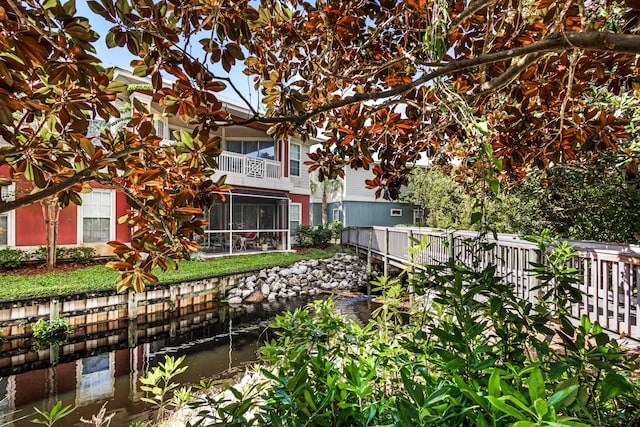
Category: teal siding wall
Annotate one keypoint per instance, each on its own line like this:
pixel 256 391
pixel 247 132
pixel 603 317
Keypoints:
pixel 365 214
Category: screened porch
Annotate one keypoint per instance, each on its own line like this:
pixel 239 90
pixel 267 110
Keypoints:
pixel 247 221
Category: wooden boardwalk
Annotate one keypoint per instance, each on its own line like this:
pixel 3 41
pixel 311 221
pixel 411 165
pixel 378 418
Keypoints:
pixel 610 273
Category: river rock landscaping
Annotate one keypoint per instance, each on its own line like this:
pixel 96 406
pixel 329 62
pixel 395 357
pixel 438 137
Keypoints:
pixel 342 272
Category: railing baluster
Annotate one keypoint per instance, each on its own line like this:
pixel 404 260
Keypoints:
pixel 610 279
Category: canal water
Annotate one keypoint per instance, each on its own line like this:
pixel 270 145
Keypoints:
pixel 223 345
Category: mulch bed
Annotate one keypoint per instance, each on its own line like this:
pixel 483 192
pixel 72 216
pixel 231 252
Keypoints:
pixel 40 268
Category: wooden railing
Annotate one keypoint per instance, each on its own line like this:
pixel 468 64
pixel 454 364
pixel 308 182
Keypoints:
pixel 252 167
pixel 610 273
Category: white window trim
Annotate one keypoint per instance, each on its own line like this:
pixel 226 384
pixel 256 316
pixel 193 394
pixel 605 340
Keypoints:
pixel 333 214
pixel 106 379
pixel 417 215
pixel 395 212
pixel 164 131
pixel 299 159
pixel 112 218
pixel 299 219
pixel 11 218
pixel 248 139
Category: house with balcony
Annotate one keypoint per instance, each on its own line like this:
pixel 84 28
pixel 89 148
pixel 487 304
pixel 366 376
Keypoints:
pixel 354 205
pixel 270 195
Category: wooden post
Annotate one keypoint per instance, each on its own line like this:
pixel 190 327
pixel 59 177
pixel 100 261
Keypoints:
pixel 132 333
pixel 54 309
pixel 173 327
pixel 173 297
pixel 54 354
pixel 132 305
pixel 386 251
pixel 54 313
pixel 412 270
pixel 358 242
pixel 369 251
pixel 452 242
pixel 535 257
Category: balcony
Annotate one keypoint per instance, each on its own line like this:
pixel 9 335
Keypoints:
pixel 247 166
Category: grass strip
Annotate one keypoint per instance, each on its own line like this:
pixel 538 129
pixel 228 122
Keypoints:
pixel 100 277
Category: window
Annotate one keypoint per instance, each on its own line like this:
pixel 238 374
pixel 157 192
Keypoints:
pixel 161 127
pixel 260 149
pixel 6 219
pixel 97 213
pixel 336 215
pixel 396 212
pixel 95 378
pixel 295 216
pixel 4 225
pixel 294 160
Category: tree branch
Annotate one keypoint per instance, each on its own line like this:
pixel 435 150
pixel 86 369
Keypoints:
pixel 507 77
pixel 468 12
pixel 44 193
pixel 84 175
pixel 554 42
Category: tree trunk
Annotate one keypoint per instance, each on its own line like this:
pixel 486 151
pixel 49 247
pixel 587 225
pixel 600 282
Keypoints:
pixel 51 214
pixel 325 208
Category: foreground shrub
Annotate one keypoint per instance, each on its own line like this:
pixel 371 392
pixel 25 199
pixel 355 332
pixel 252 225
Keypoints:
pixel 304 235
pixel 81 254
pixel 336 229
pixel 11 258
pixel 321 237
pixel 475 356
pixel 50 332
pixel 308 237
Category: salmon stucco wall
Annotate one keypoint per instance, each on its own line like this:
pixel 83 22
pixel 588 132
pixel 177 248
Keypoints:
pixel 30 230
pixel 304 200
pixel 122 230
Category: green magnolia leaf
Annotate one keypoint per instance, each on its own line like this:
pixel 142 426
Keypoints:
pixel 494 383
pixel 536 385
pixel 565 395
pixel 501 405
pixel 614 385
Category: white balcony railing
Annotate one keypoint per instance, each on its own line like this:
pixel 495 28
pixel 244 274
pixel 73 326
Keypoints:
pixel 252 167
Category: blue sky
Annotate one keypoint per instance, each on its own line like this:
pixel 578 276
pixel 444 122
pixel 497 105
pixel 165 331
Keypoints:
pixel 120 57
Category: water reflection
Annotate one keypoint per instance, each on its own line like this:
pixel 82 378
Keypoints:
pixel 216 342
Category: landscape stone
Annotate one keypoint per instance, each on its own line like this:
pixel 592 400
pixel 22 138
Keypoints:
pixel 342 272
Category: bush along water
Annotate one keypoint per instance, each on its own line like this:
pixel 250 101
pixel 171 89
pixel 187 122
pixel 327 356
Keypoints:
pixel 471 355
pixel 50 332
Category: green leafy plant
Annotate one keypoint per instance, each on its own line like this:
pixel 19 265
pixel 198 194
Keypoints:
pixel 50 332
pixel 321 237
pixel 304 235
pixel 308 237
pixel 336 229
pixel 11 258
pixel 471 354
pixel 54 415
pixel 82 254
pixel 159 383
pixel 40 254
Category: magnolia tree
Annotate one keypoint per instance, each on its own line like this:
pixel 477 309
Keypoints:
pixel 503 85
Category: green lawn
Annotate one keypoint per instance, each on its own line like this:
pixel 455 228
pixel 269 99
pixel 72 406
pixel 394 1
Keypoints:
pixel 100 277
